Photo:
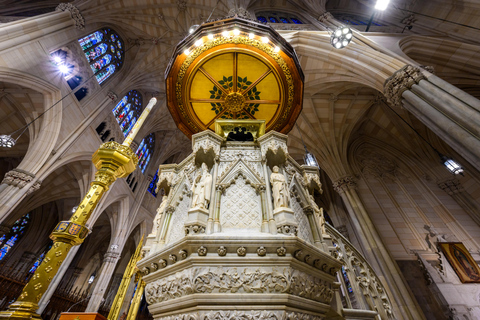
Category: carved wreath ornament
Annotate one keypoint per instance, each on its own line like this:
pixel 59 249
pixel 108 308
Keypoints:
pixel 229 280
pixel 243 315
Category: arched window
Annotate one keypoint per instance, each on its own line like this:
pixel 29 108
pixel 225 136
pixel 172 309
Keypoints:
pixel 104 51
pixel 145 151
pixel 262 19
pixel 15 234
pixel 284 20
pixel 153 184
pixel 273 20
pixel 128 110
pixel 40 259
pixel 296 21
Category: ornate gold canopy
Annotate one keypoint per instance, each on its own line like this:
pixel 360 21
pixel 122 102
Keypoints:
pixel 234 69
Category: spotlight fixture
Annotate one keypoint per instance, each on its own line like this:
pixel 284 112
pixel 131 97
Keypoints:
pixel 341 37
pixel 210 36
pixel 187 52
pixel 199 42
pixel 381 5
pixel 276 49
pixel 264 39
pixel 64 69
pixel 225 33
pixel 236 32
pixel 251 35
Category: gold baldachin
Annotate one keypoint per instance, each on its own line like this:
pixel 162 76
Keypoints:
pixel 235 40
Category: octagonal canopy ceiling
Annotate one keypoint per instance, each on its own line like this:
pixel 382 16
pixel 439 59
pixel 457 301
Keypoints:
pixel 234 69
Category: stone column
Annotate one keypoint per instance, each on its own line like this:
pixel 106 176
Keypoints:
pixel 116 279
pixel 104 276
pixel 375 251
pixel 218 197
pixel 448 111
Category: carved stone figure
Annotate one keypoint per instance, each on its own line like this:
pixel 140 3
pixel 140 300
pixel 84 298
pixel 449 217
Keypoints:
pixel 279 189
pixel 158 217
pixel 201 189
pixel 318 213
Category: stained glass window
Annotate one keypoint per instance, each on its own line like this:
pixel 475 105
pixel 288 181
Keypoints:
pixel 153 184
pixel 262 19
pixel 16 232
pixel 128 110
pixel 273 19
pixel 284 20
pixel 40 258
pixel 145 151
pixel 296 21
pixel 104 52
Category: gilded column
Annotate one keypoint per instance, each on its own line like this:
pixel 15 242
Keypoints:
pixel 375 251
pixel 113 161
pixel 137 299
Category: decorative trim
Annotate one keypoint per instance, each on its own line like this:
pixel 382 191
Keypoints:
pixel 20 178
pixel 75 14
pixel 240 280
pixel 243 315
pixel 344 184
pixel 401 81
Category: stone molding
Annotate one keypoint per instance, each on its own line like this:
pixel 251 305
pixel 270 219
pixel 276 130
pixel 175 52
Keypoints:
pixel 344 184
pixel 401 81
pixel 20 178
pixel 240 12
pixel 227 280
pixel 451 186
pixel 274 142
pixel 74 12
pixel 111 257
pixel 243 315
pixel 324 17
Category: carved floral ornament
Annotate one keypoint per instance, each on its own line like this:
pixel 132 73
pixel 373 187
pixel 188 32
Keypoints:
pixel 243 315
pixel 20 178
pixel 377 164
pixel 345 183
pixel 74 12
pixel 401 81
pixel 238 280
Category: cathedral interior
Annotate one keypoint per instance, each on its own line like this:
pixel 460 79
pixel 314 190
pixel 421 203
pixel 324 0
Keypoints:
pixel 388 119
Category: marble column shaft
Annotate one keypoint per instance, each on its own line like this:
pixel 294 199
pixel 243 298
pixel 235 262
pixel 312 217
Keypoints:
pixel 376 253
pixel 104 276
pixel 448 111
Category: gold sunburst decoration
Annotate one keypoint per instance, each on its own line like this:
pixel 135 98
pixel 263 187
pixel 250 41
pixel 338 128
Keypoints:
pixel 235 71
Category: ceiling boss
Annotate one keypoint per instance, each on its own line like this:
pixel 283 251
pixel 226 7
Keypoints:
pixel 237 69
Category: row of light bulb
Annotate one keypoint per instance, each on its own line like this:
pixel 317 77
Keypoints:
pixel 227 34
pixel 341 37
pixel 61 66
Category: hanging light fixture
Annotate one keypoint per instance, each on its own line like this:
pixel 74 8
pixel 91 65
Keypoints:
pixel 308 158
pixel 341 37
pixel 451 165
pixel 6 141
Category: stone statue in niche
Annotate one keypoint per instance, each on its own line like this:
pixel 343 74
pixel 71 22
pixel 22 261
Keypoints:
pixel 319 213
pixel 158 217
pixel 281 197
pixel 202 188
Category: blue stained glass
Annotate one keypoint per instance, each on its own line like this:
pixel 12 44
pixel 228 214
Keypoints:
pixel 347 281
pixel 40 258
pixel 284 20
pixel 296 21
pixel 104 40
pixel 16 232
pixel 145 151
pixel 2 238
pixel 262 19
pixel 273 19
pixel 102 76
pixel 153 185
pixel 127 111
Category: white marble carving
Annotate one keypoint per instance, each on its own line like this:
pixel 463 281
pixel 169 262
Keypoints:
pixel 238 280
pixel 240 207
pixel 176 227
pixel 304 231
